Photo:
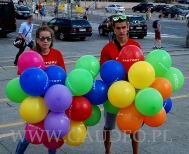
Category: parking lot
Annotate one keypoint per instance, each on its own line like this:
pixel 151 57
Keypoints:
pixel 171 138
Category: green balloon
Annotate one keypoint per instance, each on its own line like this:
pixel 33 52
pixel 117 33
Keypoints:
pixel 110 108
pixel 175 77
pixel 89 63
pixel 14 92
pixel 94 117
pixel 79 81
pixel 148 101
pixel 160 60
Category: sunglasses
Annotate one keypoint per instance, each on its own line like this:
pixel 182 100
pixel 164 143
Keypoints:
pixel 42 39
pixel 123 17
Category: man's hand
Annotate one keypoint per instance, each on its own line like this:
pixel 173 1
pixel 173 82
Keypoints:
pixel 27 40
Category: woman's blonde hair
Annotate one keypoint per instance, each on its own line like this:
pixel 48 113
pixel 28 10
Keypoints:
pixel 37 48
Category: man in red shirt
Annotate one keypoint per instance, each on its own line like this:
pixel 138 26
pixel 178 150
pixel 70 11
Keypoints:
pixel 111 52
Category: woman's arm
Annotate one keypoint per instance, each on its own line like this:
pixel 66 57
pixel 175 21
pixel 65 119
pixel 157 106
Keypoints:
pixel 61 61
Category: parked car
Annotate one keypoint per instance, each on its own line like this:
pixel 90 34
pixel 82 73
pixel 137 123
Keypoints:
pixel 173 11
pixel 182 7
pixel 70 28
pixel 22 11
pixel 184 1
pixel 143 7
pixel 115 8
pixel 137 26
pixel 161 8
pixel 7 17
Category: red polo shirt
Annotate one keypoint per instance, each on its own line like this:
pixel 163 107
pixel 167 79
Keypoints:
pixel 111 52
pixel 54 57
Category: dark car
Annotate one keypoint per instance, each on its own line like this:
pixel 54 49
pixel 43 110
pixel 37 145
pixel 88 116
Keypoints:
pixel 70 28
pixel 161 8
pixel 181 7
pixel 173 11
pixel 143 7
pixel 184 1
pixel 7 17
pixel 137 26
pixel 22 11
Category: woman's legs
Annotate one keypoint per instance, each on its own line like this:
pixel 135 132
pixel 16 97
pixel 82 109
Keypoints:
pixel 51 151
pixel 22 145
pixel 36 16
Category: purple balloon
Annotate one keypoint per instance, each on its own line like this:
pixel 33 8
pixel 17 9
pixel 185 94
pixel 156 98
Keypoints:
pixel 57 125
pixel 58 98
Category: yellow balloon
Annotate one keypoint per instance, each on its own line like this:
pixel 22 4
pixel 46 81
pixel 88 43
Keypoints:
pixel 77 133
pixel 141 74
pixel 33 109
pixel 121 94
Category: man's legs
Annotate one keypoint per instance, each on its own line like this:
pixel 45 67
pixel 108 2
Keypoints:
pixel 110 120
pixel 155 31
pixel 21 50
pixel 154 42
pixel 135 142
pixel 159 39
pixel 107 135
pixel 159 43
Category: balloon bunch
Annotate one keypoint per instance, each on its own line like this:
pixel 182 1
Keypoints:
pixel 145 96
pixel 57 107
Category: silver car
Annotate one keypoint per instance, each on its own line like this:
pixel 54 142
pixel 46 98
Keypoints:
pixel 115 8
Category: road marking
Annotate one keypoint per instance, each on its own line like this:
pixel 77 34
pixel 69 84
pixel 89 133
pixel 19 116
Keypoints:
pixel 169 27
pixel 7 135
pixel 36 24
pixel 4 100
pixel 151 35
pixel 13 34
pixel 186 77
pixel 12 124
pixel 181 96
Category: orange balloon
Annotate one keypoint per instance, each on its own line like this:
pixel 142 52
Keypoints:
pixel 129 120
pixel 157 119
pixel 163 86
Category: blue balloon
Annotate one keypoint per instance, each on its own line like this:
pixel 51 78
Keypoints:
pixel 98 94
pixel 34 81
pixel 167 104
pixel 112 71
pixel 56 75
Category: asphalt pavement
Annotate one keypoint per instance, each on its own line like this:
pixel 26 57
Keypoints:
pixel 171 138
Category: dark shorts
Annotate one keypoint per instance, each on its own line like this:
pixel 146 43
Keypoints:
pixel 157 35
pixel 31 44
pixel 110 120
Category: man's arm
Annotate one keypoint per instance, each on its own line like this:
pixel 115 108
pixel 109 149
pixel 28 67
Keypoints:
pixel 104 56
pixel 158 27
pixel 20 32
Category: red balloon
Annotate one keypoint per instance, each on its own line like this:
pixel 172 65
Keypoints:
pixel 130 55
pixel 80 109
pixel 54 144
pixel 35 133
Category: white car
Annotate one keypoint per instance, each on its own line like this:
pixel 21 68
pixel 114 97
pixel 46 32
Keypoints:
pixel 115 8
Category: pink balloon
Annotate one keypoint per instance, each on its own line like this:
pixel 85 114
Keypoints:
pixel 54 144
pixel 30 59
pixel 35 133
